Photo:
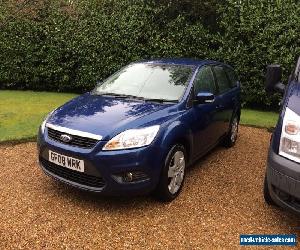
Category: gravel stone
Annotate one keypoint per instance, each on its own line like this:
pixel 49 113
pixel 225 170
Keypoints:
pixel 222 199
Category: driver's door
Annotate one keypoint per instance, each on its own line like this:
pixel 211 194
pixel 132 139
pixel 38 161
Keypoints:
pixel 206 123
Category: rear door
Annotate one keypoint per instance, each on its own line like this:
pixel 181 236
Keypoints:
pixel 227 95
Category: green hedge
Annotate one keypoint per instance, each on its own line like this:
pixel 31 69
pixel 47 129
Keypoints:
pixel 257 34
pixel 66 46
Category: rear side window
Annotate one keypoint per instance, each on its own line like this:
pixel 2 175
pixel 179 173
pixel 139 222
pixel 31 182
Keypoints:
pixel 232 77
pixel 222 79
pixel 204 81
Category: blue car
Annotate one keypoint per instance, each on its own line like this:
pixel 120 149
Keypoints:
pixel 282 180
pixel 139 129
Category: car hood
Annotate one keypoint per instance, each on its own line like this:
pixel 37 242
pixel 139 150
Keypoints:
pixel 102 115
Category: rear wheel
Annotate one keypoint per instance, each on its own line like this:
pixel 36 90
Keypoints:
pixel 266 191
pixel 232 135
pixel 172 176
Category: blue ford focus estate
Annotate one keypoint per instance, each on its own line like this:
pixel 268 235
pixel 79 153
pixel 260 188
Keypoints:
pixel 139 129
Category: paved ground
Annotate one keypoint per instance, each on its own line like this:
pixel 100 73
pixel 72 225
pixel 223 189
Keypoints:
pixel 222 199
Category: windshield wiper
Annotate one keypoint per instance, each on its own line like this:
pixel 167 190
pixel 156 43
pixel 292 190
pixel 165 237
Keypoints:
pixel 159 100
pixel 120 95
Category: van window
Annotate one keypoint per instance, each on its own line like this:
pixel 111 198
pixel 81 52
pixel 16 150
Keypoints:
pixel 204 81
pixel 222 79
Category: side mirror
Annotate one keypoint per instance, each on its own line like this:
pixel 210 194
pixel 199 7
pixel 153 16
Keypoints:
pixel 273 79
pixel 204 97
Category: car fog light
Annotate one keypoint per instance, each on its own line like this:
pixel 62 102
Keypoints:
pixel 127 177
pixel 131 177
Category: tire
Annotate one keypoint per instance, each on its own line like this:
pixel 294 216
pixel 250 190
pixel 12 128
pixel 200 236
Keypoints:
pixel 231 137
pixel 172 175
pixel 266 192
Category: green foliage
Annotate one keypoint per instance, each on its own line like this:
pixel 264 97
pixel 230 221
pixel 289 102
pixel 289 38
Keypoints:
pixel 255 34
pixel 62 45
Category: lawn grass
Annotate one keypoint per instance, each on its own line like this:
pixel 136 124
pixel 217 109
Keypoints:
pixel 21 113
pixel 264 119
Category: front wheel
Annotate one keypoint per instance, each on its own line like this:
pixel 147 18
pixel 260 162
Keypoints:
pixel 232 135
pixel 172 176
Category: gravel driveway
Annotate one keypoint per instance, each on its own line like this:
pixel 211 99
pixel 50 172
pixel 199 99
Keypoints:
pixel 222 199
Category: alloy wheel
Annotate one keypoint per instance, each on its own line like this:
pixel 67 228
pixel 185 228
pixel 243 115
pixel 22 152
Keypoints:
pixel 234 129
pixel 176 172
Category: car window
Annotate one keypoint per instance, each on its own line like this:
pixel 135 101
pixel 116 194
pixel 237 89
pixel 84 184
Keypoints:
pixel 232 77
pixel 222 79
pixel 148 81
pixel 204 81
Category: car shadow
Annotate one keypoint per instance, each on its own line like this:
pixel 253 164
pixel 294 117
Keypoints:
pixel 109 203
pixel 199 162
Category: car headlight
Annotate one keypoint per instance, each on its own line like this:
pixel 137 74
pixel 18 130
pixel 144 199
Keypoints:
pixel 45 121
pixel 290 136
pixel 132 138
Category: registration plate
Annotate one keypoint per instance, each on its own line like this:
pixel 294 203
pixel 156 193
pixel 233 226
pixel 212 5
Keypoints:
pixel 66 161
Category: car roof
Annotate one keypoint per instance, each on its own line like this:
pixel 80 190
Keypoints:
pixel 180 61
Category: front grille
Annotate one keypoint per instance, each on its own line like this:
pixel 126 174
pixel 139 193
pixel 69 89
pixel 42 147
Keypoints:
pixel 76 140
pixel 74 176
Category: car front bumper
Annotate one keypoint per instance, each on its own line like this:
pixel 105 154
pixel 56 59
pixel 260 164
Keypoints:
pixel 283 177
pixel 104 169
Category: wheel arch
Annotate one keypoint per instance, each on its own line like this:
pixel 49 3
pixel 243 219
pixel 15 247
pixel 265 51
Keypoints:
pixel 179 133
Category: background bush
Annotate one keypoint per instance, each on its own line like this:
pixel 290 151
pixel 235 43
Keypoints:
pixel 60 45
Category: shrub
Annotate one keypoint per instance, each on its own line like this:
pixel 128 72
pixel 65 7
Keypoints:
pixel 255 34
pixel 65 45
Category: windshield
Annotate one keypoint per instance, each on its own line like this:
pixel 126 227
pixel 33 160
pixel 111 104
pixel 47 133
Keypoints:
pixel 148 81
